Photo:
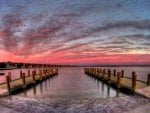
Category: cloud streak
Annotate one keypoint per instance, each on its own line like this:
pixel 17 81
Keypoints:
pixel 70 32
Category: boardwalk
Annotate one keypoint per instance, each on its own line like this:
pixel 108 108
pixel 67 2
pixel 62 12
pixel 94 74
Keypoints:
pixel 118 78
pixel 24 81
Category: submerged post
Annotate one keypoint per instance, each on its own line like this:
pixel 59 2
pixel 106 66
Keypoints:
pixel 8 83
pixel 148 80
pixel 118 79
pixel 134 78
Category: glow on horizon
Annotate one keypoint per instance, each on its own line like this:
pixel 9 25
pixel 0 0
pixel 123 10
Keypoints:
pixel 75 31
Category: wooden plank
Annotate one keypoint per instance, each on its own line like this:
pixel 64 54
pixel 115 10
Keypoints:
pixel 124 81
pixel 20 83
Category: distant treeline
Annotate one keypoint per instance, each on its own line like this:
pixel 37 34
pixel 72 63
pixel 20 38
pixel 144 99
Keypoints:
pixel 2 65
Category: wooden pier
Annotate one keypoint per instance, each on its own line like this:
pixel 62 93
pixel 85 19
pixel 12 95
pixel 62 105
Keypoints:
pixel 118 78
pixel 24 81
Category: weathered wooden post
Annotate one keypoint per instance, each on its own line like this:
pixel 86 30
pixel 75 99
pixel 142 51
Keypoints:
pixel 21 74
pixel 51 74
pixel 48 72
pixel 39 71
pixel 28 73
pixel 103 74
pixel 109 76
pixel 134 78
pixel 92 70
pixel 148 79
pixel 33 77
pixel 35 71
pixel 41 77
pixel 23 80
pixel 57 71
pixel 98 74
pixel 8 83
pixel 118 79
pixel 9 74
pixel 114 72
pixel 122 73
pixel 100 70
pixel 43 71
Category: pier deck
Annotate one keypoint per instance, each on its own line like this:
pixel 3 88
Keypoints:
pixel 9 85
pixel 118 79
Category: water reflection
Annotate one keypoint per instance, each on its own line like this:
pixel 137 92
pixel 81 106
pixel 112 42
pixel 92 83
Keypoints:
pixel 117 92
pixel 72 82
pixel 108 90
pixel 34 90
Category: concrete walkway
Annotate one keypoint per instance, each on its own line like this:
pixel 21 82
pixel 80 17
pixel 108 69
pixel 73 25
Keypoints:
pixel 142 109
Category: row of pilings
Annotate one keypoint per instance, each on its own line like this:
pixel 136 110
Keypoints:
pixel 117 78
pixel 31 78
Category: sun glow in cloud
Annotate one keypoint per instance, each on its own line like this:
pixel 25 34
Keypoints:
pixel 75 31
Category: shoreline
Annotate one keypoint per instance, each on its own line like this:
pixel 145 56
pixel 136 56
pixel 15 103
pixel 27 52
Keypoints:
pixel 48 104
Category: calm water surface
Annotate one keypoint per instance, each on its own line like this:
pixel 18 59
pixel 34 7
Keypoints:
pixel 72 82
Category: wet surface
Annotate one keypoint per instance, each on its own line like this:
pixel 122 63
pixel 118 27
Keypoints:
pixel 72 82
pixel 73 105
pixel 72 92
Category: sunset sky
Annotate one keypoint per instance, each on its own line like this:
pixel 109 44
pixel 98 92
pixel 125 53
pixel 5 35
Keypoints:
pixel 75 31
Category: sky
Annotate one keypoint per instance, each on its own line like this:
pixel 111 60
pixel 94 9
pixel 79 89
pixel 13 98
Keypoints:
pixel 76 32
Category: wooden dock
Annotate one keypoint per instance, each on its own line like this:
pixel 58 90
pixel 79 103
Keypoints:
pixel 24 81
pixel 118 78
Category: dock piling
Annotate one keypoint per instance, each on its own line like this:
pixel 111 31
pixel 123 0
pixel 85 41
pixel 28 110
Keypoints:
pixel 114 72
pixel 21 74
pixel 28 73
pixel 33 76
pixel 118 79
pixel 41 77
pixel 103 74
pixel 9 74
pixel 8 83
pixel 23 80
pixel 109 76
pixel 134 78
pixel 122 73
pixel 148 79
